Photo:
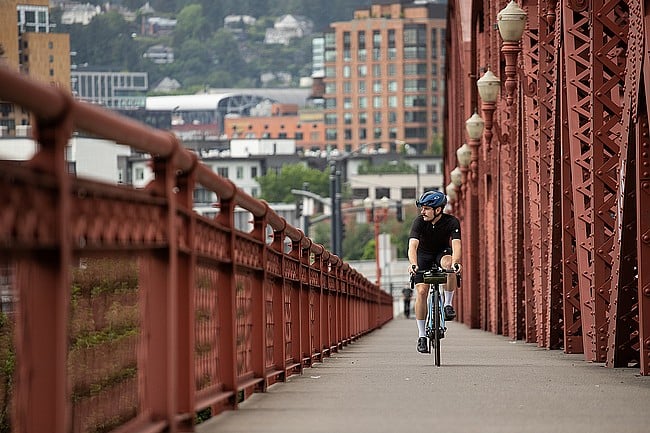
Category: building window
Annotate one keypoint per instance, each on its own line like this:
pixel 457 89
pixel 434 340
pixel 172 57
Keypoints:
pixel 347 118
pixel 382 192
pixel 363 134
pixel 434 43
pixel 139 173
pixel 376 70
pixel 347 87
pixel 377 116
pixel 253 172
pixel 376 133
pixel 239 172
pixel 222 171
pixel 408 193
pixel 363 102
pixel 362 87
pixel 347 134
pixel 392 70
pixel 360 193
pixel 361 55
pixel 377 101
pixel 362 70
pixel 282 135
pixel 347 103
pixel 363 118
pixel 299 136
pixel 330 119
pixel 330 134
pixel 376 86
pixel 392 86
pixel 347 71
pixel 392 101
pixel 361 39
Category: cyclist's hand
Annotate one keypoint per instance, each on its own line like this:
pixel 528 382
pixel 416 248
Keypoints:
pixel 413 269
pixel 456 267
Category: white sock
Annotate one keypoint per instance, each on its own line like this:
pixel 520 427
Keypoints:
pixel 449 296
pixel 421 332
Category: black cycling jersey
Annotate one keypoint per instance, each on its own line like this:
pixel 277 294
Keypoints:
pixel 435 238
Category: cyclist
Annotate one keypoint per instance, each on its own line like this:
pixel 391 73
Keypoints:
pixel 434 240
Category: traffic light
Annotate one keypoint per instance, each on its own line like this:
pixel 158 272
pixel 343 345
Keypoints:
pixel 398 211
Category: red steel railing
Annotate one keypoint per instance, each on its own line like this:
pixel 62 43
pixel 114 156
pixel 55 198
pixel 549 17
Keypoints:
pixel 132 313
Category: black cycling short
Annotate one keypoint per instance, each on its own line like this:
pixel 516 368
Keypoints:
pixel 427 261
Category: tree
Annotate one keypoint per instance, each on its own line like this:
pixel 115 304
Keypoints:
pixel 191 24
pixel 276 187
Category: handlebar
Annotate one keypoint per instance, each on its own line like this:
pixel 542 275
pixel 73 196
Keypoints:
pixel 438 270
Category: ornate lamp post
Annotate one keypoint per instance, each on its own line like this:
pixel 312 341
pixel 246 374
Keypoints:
pixel 488 89
pixel 450 190
pixel 474 127
pixel 469 156
pixel 511 21
pixel 464 155
pixel 377 216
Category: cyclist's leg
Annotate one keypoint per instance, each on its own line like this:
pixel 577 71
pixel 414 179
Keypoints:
pixel 425 261
pixel 450 287
pixel 421 291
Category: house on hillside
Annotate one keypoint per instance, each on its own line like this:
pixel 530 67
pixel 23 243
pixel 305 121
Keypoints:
pixel 75 13
pixel 288 27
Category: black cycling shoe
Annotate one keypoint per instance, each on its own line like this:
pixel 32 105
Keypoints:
pixel 423 345
pixel 450 313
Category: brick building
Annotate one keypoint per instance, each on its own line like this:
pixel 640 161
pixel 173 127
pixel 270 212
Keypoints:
pixel 27 45
pixel 384 76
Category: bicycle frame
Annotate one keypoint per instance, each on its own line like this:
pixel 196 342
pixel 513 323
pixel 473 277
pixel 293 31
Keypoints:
pixel 435 321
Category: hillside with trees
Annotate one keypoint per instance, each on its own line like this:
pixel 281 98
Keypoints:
pixel 205 53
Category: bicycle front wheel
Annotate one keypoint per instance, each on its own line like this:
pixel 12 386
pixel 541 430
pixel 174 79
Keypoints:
pixel 437 314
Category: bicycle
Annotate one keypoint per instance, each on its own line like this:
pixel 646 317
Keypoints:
pixel 435 321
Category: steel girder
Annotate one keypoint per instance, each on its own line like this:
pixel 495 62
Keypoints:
pixel 563 209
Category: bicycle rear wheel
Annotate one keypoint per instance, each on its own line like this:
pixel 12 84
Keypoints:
pixel 437 312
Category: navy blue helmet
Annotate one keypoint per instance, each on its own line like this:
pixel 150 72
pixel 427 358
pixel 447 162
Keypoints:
pixel 432 199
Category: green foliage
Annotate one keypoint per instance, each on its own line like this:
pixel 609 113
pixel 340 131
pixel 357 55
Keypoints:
pixel 205 53
pixel 276 187
pixel 357 237
pixel 7 369
pixel 387 167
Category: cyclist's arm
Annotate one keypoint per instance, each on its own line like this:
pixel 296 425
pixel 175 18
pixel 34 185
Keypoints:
pixel 456 252
pixel 413 251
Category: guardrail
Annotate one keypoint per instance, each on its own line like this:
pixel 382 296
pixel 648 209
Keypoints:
pixel 132 313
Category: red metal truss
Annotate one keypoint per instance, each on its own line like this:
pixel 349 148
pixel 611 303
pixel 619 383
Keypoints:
pixel 609 39
pixel 559 204
pixel 623 341
pixel 578 67
pixel 643 213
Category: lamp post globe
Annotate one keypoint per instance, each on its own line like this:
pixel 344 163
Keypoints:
pixel 474 126
pixel 488 86
pixel 464 155
pixel 511 21
pixel 456 177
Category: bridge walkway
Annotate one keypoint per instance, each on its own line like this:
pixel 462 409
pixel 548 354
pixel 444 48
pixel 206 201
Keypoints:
pixel 487 384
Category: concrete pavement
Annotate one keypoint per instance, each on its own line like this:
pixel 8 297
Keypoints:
pixel 486 384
